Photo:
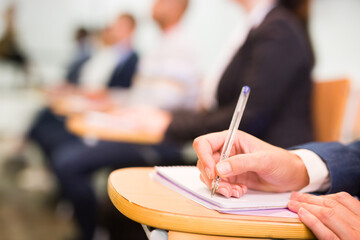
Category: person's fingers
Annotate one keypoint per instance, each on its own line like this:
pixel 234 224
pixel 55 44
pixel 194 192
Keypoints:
pixel 346 200
pixel 327 216
pixel 205 146
pixel 203 174
pixel 329 202
pixel 208 148
pixel 206 181
pixel 243 163
pixel 315 225
pixel 231 190
pixel 312 199
pixel 225 189
pixel 210 142
pixel 238 190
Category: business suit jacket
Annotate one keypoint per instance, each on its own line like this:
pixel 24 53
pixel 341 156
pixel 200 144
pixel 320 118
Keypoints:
pixel 343 162
pixel 121 76
pixel 47 122
pixel 276 61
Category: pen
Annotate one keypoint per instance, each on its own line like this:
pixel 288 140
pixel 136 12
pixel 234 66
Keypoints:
pixel 234 125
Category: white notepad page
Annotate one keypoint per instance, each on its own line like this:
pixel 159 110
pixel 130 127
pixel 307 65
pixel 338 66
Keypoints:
pixel 186 180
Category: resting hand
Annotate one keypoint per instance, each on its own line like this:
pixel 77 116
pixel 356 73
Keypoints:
pixel 335 216
pixel 252 164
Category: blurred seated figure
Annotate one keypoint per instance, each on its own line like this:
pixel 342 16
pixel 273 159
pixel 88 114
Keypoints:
pixel 83 51
pixel 109 60
pixel 112 64
pixel 113 61
pixel 167 79
pixel 10 50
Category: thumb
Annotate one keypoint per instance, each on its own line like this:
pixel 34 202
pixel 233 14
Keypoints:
pixel 242 163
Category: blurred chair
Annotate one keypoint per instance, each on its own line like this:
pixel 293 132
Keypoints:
pixel 329 104
pixel 356 130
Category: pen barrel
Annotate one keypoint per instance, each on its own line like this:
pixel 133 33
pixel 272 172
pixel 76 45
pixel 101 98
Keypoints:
pixel 235 122
pixel 234 125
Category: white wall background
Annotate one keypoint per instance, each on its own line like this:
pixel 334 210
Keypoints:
pixel 46 27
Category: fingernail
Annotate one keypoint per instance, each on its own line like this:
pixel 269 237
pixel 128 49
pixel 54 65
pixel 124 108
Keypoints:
pixel 303 212
pixel 224 192
pixel 208 173
pixel 223 168
pixel 236 194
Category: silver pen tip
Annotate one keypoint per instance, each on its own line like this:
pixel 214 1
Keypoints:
pixel 214 187
pixel 213 190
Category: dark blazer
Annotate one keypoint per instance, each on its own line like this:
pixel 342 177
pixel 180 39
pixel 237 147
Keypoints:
pixel 124 72
pixel 343 162
pixel 47 122
pixel 121 76
pixel 276 61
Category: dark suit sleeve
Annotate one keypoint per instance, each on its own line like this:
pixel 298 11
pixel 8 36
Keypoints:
pixel 274 61
pixel 124 72
pixel 343 162
pixel 73 74
pixel 187 125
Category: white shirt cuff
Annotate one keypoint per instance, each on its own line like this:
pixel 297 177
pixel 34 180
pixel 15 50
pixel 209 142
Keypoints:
pixel 318 172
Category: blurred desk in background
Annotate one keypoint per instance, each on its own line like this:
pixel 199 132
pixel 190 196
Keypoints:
pixel 75 104
pixel 80 126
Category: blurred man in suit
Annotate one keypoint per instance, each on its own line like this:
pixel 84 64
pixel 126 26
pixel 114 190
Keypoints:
pixel 112 64
pixel 167 78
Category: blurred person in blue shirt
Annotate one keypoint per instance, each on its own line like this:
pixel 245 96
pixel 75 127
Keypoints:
pixel 167 78
pixel 112 63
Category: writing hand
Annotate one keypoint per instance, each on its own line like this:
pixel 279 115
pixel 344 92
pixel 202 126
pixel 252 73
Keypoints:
pixel 252 164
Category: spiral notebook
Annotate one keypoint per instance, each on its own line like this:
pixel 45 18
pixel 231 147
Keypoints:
pixel 186 181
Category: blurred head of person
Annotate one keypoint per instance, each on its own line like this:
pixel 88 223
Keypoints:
pixel 300 8
pixel 248 5
pixel 81 34
pixel 9 16
pixel 121 30
pixel 168 13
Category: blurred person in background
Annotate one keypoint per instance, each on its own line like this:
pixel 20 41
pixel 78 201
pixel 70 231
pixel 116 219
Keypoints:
pixel 167 78
pixel 275 59
pixel 113 62
pixel 10 50
pixel 84 48
pixel 105 58
pixel 110 64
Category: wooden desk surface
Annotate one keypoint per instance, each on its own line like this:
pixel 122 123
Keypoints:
pixel 192 236
pixel 66 106
pixel 77 125
pixel 146 201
